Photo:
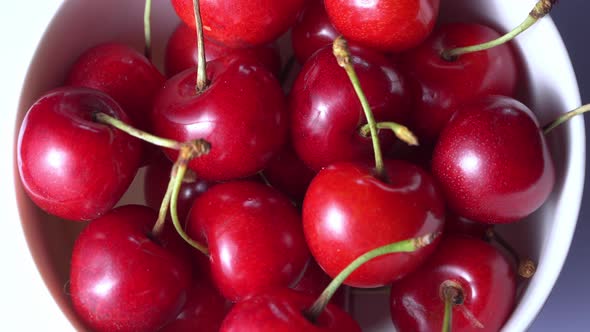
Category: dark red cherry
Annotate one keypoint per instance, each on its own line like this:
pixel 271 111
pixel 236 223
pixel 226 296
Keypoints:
pixel 254 235
pixel 121 279
pixel 492 161
pixel 181 52
pixel 386 25
pixel 238 23
pixel 440 86
pixel 326 114
pixel 347 212
pixel 242 113
pixel 283 310
pixel 70 165
pixel 312 31
pixel 484 276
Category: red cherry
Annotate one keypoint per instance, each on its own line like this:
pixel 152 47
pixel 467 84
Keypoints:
pixel 492 162
pixel 70 165
pixel 312 31
pixel 348 211
pixel 242 113
pixel 484 275
pixel 181 52
pixel 326 114
pixel 239 23
pixel 386 25
pixel 254 236
pixel 123 280
pixel 440 86
pixel 283 310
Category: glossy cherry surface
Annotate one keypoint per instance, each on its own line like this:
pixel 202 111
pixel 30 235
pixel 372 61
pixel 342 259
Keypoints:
pixel 181 52
pixel 123 280
pixel 254 235
pixel 238 23
pixel 325 111
pixel 70 165
pixel 492 161
pixel 440 86
pixel 312 31
pixel 347 212
pixel 386 25
pixel 242 113
pixel 282 310
pixel 485 276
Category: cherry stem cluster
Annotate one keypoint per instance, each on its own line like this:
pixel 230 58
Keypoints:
pixel 409 245
pixel 565 117
pixel 147 30
pixel 542 8
pixel 401 132
pixel 202 63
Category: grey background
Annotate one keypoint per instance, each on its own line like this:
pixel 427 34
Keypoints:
pixel 568 307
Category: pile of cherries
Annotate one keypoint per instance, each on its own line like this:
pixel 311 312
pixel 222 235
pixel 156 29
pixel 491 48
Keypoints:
pixel 386 164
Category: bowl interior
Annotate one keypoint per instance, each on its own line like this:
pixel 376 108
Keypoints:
pixel 548 87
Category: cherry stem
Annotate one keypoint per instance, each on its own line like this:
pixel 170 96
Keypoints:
pixel 202 63
pixel 409 245
pixel 564 118
pixel 402 132
pixel 142 135
pixel 147 30
pixel 344 58
pixel 526 267
pixel 542 8
pixel 452 294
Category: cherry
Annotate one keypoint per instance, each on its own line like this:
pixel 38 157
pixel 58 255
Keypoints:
pixel 121 279
pixel 242 113
pixel 283 310
pixel 484 285
pixel 70 165
pixel 312 31
pixel 254 236
pixel 440 86
pixel 181 52
pixel 492 161
pixel 239 23
pixel 348 211
pixel 326 114
pixel 386 25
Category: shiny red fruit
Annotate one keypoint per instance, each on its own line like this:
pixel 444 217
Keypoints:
pixel 312 31
pixel 238 23
pixel 121 279
pixel 70 165
pixel 492 162
pixel 386 25
pixel 485 276
pixel 348 211
pixel 254 235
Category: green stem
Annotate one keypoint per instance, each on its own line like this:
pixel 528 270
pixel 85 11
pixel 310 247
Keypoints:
pixel 344 58
pixel 159 226
pixel 202 62
pixel 147 30
pixel 142 135
pixel 402 132
pixel 402 246
pixel 448 297
pixel 542 8
pixel 565 117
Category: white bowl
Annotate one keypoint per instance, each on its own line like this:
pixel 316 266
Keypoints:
pixel 549 88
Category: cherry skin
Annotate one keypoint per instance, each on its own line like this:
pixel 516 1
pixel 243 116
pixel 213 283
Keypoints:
pixel 242 113
pixel 386 25
pixel 347 212
pixel 440 86
pixel 282 310
pixel 492 162
pixel 181 52
pixel 238 23
pixel 70 165
pixel 486 277
pixel 312 31
pixel 254 235
pixel 123 280
pixel 326 114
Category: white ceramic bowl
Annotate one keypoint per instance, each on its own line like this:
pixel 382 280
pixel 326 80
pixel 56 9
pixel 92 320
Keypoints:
pixel 549 88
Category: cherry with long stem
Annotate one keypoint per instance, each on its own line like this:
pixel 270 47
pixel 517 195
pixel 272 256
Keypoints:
pixel 564 118
pixel 147 29
pixel 541 9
